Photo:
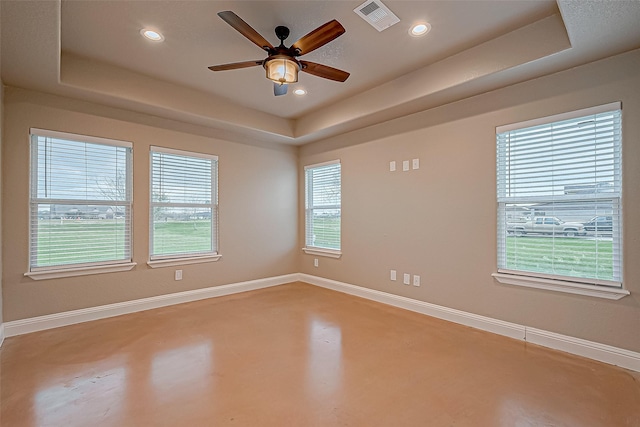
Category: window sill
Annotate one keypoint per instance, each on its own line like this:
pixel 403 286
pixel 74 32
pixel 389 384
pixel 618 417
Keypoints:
pixel 182 261
pixel 561 286
pixel 80 271
pixel 329 253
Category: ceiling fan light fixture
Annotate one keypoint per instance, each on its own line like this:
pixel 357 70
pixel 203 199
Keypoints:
pixel 282 70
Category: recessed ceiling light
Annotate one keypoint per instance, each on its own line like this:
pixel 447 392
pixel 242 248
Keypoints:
pixel 300 92
pixel 420 29
pixel 152 35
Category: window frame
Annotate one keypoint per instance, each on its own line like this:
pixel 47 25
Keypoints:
pixel 568 284
pixel 187 257
pixel 319 250
pixel 84 268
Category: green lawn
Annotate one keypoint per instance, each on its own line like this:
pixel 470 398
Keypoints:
pixel 182 236
pixel 79 241
pixel 326 230
pixel 103 240
pixel 587 258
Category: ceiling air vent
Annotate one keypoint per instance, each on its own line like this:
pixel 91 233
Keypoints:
pixel 376 14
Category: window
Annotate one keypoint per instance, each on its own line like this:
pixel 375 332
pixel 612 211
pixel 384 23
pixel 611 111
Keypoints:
pixel 184 206
pixel 559 197
pixel 80 202
pixel 322 209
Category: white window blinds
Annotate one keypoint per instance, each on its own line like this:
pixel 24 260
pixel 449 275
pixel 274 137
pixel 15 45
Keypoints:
pixel 80 201
pixel 559 196
pixel 184 205
pixel 323 200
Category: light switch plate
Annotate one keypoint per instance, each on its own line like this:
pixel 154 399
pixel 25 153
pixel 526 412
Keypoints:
pixel 407 278
pixel 416 163
pixel 392 166
pixel 393 275
pixel 416 280
pixel 405 165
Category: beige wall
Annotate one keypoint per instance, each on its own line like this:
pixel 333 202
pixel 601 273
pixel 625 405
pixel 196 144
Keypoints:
pixel 1 242
pixel 440 221
pixel 257 195
pixel 1 133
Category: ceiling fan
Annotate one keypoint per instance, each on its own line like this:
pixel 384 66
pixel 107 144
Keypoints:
pixel 282 65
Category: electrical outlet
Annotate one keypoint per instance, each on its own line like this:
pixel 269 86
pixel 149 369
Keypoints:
pixel 393 275
pixel 416 280
pixel 416 164
pixel 405 165
pixel 178 274
pixel 315 262
pixel 407 278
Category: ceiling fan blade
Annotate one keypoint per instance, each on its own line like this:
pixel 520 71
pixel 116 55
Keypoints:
pixel 279 89
pixel 319 37
pixel 324 71
pixel 245 29
pixel 235 65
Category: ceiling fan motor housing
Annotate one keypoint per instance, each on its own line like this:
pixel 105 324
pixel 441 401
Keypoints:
pixel 282 33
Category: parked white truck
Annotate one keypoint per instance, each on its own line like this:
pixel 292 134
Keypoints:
pixel 546 225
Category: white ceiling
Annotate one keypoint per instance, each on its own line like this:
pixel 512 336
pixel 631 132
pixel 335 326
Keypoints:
pixel 93 50
pixel 197 38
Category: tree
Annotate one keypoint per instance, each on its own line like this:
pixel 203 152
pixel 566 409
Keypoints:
pixel 114 188
pixel 159 212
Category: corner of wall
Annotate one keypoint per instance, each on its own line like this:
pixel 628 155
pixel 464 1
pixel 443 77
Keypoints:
pixel 1 132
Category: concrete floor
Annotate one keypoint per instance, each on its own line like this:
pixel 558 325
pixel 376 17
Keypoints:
pixel 298 355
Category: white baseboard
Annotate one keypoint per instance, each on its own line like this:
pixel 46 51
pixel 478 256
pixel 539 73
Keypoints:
pixel 40 323
pixel 592 350
pixel 601 352
pixel 499 327
pixel 589 349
